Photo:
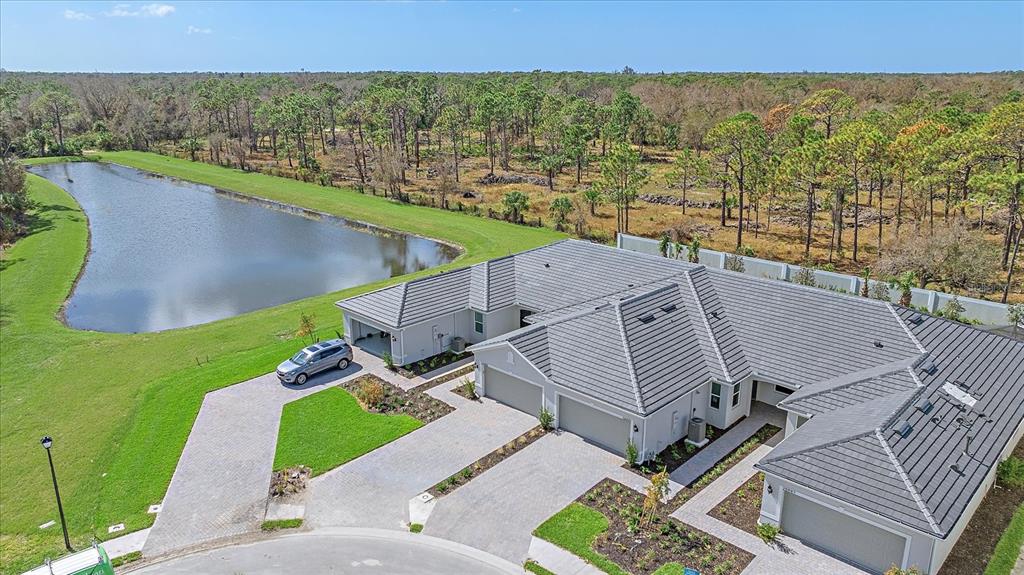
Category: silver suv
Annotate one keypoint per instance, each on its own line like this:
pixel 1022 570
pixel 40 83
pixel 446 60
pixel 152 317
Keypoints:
pixel 314 359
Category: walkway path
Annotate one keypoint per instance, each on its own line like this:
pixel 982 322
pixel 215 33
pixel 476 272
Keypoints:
pixel 341 551
pixel 498 510
pixel 760 414
pixel 792 557
pixel 374 490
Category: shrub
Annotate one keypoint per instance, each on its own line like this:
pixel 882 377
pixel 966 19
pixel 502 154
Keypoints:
pixel 631 453
pixel 416 527
pixel 469 388
pixel 805 276
pixel 546 418
pixel 734 263
pixel 767 532
pixel 389 362
pixel 1011 472
pixel 371 393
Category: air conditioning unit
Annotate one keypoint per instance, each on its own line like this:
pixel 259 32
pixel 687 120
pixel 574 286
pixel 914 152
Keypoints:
pixel 458 344
pixel 696 432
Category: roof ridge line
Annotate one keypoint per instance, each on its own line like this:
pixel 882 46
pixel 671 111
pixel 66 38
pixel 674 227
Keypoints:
pixel 629 361
pixel 707 326
pixel 816 392
pixel 907 482
pixel 487 284
pixel 401 302
pixel 905 327
pixel 853 437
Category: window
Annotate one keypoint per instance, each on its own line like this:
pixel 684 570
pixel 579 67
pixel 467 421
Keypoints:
pixel 735 395
pixel 478 322
pixel 783 390
pixel 716 395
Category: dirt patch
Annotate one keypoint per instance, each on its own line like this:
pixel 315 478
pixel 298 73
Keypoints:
pixel 486 462
pixel 394 400
pixel 643 548
pixel 742 508
pixel 972 551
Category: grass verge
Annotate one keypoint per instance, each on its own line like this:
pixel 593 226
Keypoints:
pixel 120 406
pixel 574 529
pixel 343 430
pixel 534 567
pixel 126 559
pixel 1008 549
pixel 279 524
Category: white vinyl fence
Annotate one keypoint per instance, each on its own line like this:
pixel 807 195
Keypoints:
pixel 986 312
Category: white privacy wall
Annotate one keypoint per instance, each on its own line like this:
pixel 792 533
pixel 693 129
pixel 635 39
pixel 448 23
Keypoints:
pixel 986 312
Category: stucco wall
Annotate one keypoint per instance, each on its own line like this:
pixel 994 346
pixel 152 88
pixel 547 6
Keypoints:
pixel 417 341
pixel 501 321
pixel 766 393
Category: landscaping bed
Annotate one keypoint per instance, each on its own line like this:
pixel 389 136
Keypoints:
pixel 676 454
pixel 604 526
pixel 980 548
pixel 486 462
pixel 379 396
pixel 429 364
pixel 465 370
pixel 467 389
pixel 766 432
pixel 742 508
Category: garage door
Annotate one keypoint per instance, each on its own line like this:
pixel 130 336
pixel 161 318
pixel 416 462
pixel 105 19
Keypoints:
pixel 870 547
pixel 602 428
pixel 512 391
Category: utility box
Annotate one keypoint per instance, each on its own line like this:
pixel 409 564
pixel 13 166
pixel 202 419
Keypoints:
pixel 458 344
pixel 696 432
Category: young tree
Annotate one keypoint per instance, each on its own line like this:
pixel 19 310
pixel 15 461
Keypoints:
pixel 801 172
pixel 307 327
pixel 621 179
pixel 593 197
pixel 829 107
pixel 850 154
pixel 689 170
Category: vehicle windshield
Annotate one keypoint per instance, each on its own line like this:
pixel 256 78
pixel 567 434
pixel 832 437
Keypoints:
pixel 300 358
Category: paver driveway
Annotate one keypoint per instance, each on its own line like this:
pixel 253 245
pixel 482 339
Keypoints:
pixel 374 490
pixel 219 488
pixel 498 511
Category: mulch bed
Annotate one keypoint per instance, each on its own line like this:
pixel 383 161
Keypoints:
pixel 676 454
pixel 766 432
pixel 742 508
pixel 486 462
pixel 455 373
pixel 642 550
pixel 398 401
pixel 416 368
pixel 466 389
pixel 971 552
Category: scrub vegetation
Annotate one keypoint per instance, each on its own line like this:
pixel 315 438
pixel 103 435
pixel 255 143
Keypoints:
pixel 120 406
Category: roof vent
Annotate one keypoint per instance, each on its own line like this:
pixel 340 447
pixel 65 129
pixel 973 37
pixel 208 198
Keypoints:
pixel 547 265
pixel 929 366
pixel 877 343
pixel 903 428
pixel 956 469
pixel 959 394
pixel 647 318
pixel 925 405
pixel 917 319
pixel 713 315
pixel 668 308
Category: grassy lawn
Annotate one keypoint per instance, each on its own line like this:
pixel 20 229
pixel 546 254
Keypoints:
pixel 1009 546
pixel 574 529
pixel 120 406
pixel 329 428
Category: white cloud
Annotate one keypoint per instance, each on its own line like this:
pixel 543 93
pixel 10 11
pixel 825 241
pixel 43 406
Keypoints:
pixel 145 11
pixel 72 15
pixel 195 30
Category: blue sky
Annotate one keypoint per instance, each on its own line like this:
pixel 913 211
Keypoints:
pixel 462 36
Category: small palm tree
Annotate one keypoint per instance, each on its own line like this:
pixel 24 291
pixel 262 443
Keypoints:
pixel 693 250
pixel 515 203
pixel 663 245
pixel 905 283
pixel 560 209
pixel 865 278
pixel 594 198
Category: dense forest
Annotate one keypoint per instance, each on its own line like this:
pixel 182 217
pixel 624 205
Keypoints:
pixel 917 176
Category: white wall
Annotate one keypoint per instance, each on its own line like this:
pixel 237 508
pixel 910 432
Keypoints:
pixel 416 342
pixel 766 393
pixel 502 321
pixel 920 545
pixel 987 312
pixel 659 433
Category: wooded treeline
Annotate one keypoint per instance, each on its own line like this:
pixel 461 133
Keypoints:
pixel 916 145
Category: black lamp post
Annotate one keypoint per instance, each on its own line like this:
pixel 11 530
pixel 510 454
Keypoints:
pixel 47 441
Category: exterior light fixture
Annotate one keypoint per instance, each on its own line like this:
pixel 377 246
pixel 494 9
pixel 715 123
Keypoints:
pixel 770 489
pixel 47 442
pixel 635 429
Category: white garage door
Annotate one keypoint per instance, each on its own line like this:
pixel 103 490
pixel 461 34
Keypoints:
pixel 602 428
pixel 512 391
pixel 848 538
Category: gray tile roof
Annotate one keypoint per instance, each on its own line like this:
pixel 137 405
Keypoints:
pixel 860 366
pixel 933 465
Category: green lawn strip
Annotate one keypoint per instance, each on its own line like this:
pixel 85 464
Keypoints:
pixel 126 559
pixel 330 428
pixel 534 567
pixel 120 406
pixel 278 524
pixel 1008 549
pixel 574 529
pixel 670 569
